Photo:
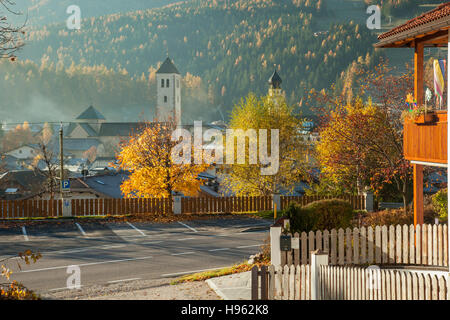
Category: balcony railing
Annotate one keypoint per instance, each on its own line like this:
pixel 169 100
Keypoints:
pixel 425 138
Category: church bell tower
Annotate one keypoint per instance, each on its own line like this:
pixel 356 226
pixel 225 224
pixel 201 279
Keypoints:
pixel 168 83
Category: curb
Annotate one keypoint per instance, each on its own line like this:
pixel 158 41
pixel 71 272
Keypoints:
pixel 216 289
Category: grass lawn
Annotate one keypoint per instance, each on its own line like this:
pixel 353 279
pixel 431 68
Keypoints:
pixel 201 276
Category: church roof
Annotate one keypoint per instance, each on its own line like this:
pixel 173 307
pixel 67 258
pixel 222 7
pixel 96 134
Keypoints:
pixel 275 80
pixel 168 67
pixel 90 114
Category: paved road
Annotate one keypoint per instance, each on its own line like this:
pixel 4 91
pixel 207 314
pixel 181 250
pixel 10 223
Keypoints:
pixel 125 252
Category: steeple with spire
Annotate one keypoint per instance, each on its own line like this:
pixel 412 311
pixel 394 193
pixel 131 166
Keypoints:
pixel 275 85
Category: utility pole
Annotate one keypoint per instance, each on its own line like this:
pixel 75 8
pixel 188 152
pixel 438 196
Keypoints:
pixel 61 160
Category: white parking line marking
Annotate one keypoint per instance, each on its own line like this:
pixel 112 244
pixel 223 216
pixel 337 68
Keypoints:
pixel 152 242
pixel 85 264
pixel 81 229
pixel 192 271
pixel 65 288
pixel 255 245
pixel 222 249
pixel 185 239
pixel 123 280
pixel 140 231
pixel 182 253
pixel 185 225
pixel 24 231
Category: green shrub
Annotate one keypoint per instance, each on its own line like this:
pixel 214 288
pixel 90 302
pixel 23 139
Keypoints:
pixel 440 204
pixel 388 217
pixel 320 215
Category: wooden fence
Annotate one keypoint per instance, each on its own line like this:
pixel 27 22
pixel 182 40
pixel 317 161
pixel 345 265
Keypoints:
pixel 99 207
pixel 349 283
pixel 346 283
pixel 278 283
pixel 30 208
pixel 425 245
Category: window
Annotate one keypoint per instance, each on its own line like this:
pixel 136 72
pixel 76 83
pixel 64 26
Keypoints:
pixel 165 98
pixel 167 83
pixel 178 83
pixel 162 83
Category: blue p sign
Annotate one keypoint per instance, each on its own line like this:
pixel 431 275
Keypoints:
pixel 66 185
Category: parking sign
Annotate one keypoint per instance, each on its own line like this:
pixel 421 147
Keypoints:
pixel 66 185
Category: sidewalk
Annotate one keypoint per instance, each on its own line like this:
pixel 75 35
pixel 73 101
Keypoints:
pixel 232 287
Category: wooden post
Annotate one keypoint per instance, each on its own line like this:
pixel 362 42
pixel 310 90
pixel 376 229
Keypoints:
pixel 318 258
pixel 275 252
pixel 448 141
pixel 418 73
pixel 418 194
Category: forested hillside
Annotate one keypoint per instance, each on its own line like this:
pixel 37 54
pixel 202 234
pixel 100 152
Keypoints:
pixel 231 45
pixel 40 12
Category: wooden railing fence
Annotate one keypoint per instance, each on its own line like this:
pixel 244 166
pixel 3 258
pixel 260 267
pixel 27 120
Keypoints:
pixel 99 207
pixel 424 245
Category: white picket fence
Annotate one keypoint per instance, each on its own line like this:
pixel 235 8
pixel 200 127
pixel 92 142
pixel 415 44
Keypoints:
pixel 352 283
pixel 347 283
pixel 424 245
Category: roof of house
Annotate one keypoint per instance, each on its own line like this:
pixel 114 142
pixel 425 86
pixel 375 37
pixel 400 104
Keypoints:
pixel 422 26
pixel 110 129
pixel 91 114
pixel 26 178
pixel 105 185
pixel 80 144
pixel 168 67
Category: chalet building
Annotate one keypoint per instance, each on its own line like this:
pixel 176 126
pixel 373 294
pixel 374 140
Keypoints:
pixel 425 139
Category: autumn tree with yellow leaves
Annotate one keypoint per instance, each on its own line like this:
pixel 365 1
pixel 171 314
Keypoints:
pixel 147 156
pixel 266 113
pixel 12 290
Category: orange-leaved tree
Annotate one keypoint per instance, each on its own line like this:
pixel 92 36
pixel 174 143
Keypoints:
pixel 153 173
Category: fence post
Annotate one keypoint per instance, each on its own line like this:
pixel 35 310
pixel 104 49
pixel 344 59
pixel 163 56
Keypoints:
pixel 176 204
pixel 66 207
pixel 368 200
pixel 276 199
pixel 275 251
pixel 318 258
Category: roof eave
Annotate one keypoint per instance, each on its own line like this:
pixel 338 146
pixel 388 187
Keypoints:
pixel 404 39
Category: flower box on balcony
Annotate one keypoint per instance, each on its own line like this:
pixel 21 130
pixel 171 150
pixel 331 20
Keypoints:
pixel 428 117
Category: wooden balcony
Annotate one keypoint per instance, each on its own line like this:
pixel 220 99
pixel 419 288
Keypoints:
pixel 425 139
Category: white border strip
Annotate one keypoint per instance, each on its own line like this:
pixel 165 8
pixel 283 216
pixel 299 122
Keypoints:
pixel 24 231
pixel 86 264
pixel 123 280
pixel 138 230
pixel 81 229
pixel 185 225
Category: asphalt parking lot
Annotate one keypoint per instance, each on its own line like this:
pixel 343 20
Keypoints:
pixel 122 252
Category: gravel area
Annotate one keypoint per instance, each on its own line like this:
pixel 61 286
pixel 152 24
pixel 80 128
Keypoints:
pixel 139 290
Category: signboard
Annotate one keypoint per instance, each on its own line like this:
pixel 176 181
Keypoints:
pixel 295 243
pixel 65 184
pixel 285 243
